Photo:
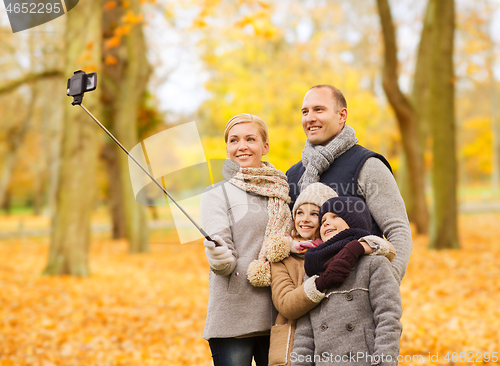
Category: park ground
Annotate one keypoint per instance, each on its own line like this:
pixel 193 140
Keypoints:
pixel 149 309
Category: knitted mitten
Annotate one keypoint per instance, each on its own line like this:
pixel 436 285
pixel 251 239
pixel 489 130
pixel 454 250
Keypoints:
pixel 338 268
pixel 350 253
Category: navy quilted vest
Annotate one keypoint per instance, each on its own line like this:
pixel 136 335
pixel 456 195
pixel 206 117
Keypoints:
pixel 342 176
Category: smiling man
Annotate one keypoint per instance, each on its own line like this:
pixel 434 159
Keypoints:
pixel 332 156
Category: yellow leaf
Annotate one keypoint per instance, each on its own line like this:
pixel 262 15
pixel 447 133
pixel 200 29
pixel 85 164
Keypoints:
pixel 247 19
pixel 263 4
pixel 199 23
pixel 123 30
pixel 112 42
pixel 110 60
pixel 111 4
pixel 131 18
pixel 85 57
pixel 91 68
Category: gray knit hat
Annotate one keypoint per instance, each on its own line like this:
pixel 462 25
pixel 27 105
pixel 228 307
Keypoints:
pixel 315 193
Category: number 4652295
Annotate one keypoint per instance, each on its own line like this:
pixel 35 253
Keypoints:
pixel 471 357
pixel 34 8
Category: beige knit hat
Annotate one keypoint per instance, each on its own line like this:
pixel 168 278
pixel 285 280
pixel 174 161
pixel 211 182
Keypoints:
pixel 278 248
pixel 315 193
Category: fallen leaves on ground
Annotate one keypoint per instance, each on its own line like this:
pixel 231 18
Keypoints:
pixel 142 309
pixel 451 298
pixel 149 309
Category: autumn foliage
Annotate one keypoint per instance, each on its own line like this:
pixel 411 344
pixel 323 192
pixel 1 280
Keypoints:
pixel 150 309
pixel 133 310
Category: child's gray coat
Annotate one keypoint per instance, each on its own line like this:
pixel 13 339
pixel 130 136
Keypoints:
pixel 355 321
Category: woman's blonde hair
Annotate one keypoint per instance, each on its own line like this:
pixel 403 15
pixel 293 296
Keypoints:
pixel 257 122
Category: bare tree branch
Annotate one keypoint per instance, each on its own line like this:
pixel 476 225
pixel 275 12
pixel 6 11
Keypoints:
pixel 29 78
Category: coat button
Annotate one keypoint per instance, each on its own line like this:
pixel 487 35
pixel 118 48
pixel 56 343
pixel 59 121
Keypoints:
pixel 348 297
pixel 353 268
pixel 349 327
pixel 323 327
pixel 348 354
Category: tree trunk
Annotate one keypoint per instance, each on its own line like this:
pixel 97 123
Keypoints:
pixel 69 248
pixel 109 154
pixel 7 202
pixel 38 200
pixel 421 80
pixel 495 120
pixel 133 87
pixel 55 125
pixel 442 119
pixel 125 86
pixel 14 140
pixel 420 92
pixel 40 167
pixel 51 130
pixel 415 200
pixel 495 126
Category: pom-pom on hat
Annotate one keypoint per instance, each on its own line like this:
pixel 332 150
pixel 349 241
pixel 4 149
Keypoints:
pixel 352 210
pixel 315 193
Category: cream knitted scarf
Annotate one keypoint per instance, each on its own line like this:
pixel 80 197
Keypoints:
pixel 269 182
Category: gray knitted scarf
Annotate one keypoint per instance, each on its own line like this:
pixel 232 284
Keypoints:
pixel 317 159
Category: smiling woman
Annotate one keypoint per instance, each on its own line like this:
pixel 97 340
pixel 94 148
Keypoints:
pixel 243 214
pixel 247 140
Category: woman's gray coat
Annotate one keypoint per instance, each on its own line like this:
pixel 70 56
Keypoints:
pixel 235 307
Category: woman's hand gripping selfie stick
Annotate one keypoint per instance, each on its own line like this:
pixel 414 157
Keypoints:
pixel 81 83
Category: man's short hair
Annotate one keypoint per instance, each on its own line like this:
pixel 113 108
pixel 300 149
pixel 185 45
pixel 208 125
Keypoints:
pixel 337 95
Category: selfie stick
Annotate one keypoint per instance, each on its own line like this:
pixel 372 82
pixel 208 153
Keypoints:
pixel 203 232
pixel 80 83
